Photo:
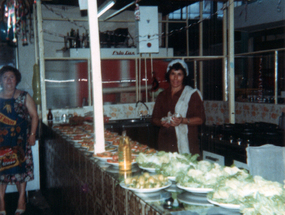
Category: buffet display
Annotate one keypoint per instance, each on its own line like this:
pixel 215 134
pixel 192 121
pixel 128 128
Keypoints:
pixel 227 187
pixel 224 186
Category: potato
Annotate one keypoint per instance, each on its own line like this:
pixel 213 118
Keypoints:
pixel 148 186
pixel 160 178
pixel 157 185
pixel 134 179
pixel 151 179
pixel 128 180
pixel 141 180
pixel 146 175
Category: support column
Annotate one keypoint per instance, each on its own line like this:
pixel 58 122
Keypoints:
pixel 99 140
pixel 225 62
pixel 42 60
pixel 201 88
pixel 276 77
pixel 231 63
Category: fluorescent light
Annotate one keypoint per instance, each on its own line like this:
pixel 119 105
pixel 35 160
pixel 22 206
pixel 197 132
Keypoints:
pixel 122 9
pixel 105 6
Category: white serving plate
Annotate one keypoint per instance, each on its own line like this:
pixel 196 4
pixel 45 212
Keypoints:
pixel 172 178
pixel 112 149
pixel 154 196
pixel 147 169
pixel 102 158
pixel 191 199
pixel 77 145
pixel 195 189
pixel 225 205
pixel 117 164
pixel 149 190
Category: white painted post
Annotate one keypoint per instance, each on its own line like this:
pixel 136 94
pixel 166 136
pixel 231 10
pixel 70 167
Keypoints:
pixel 99 141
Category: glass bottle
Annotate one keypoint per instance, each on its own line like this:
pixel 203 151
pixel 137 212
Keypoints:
pixel 87 39
pixel 84 41
pixel 66 41
pixel 70 43
pixel 72 38
pixel 50 117
pixel 77 40
pixel 125 159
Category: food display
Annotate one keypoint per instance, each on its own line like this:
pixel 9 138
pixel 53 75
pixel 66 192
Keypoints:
pixel 115 158
pixel 166 163
pixel 103 155
pixel 252 195
pixel 88 145
pixel 111 137
pixel 146 183
pixel 110 148
pixel 180 163
pixel 227 187
pixel 144 150
pixel 207 175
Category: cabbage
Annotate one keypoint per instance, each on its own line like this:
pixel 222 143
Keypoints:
pixel 173 168
pixel 255 195
pixel 167 161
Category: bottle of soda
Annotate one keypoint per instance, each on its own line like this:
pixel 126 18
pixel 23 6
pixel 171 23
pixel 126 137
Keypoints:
pixel 125 156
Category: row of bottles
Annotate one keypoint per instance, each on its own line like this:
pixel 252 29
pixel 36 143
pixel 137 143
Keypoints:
pixel 75 40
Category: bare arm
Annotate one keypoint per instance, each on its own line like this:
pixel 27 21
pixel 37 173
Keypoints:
pixel 192 121
pixel 31 106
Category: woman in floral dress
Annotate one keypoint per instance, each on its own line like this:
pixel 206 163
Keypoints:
pixel 18 125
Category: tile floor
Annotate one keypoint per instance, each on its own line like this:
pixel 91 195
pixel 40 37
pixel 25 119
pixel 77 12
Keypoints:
pixel 36 204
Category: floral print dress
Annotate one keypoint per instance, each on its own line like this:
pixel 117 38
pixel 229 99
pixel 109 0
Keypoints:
pixel 14 131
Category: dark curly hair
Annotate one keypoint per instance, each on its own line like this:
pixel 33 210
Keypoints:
pixel 11 69
pixel 177 66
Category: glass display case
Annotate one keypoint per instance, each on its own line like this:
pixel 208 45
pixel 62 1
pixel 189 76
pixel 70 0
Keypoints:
pixel 67 83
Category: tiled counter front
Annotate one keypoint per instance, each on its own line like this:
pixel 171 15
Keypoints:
pixel 74 184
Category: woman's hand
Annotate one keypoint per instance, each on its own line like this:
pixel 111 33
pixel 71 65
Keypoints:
pixel 32 140
pixel 165 124
pixel 176 121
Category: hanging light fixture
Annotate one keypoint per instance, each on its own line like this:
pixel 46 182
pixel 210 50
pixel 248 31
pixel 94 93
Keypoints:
pixel 122 9
pixel 105 6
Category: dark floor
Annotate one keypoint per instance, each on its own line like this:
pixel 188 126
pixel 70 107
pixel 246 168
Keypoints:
pixel 36 204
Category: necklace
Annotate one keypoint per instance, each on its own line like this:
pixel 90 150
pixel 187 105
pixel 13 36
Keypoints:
pixel 8 103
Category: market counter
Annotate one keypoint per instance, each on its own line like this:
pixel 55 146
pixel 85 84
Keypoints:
pixel 73 182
